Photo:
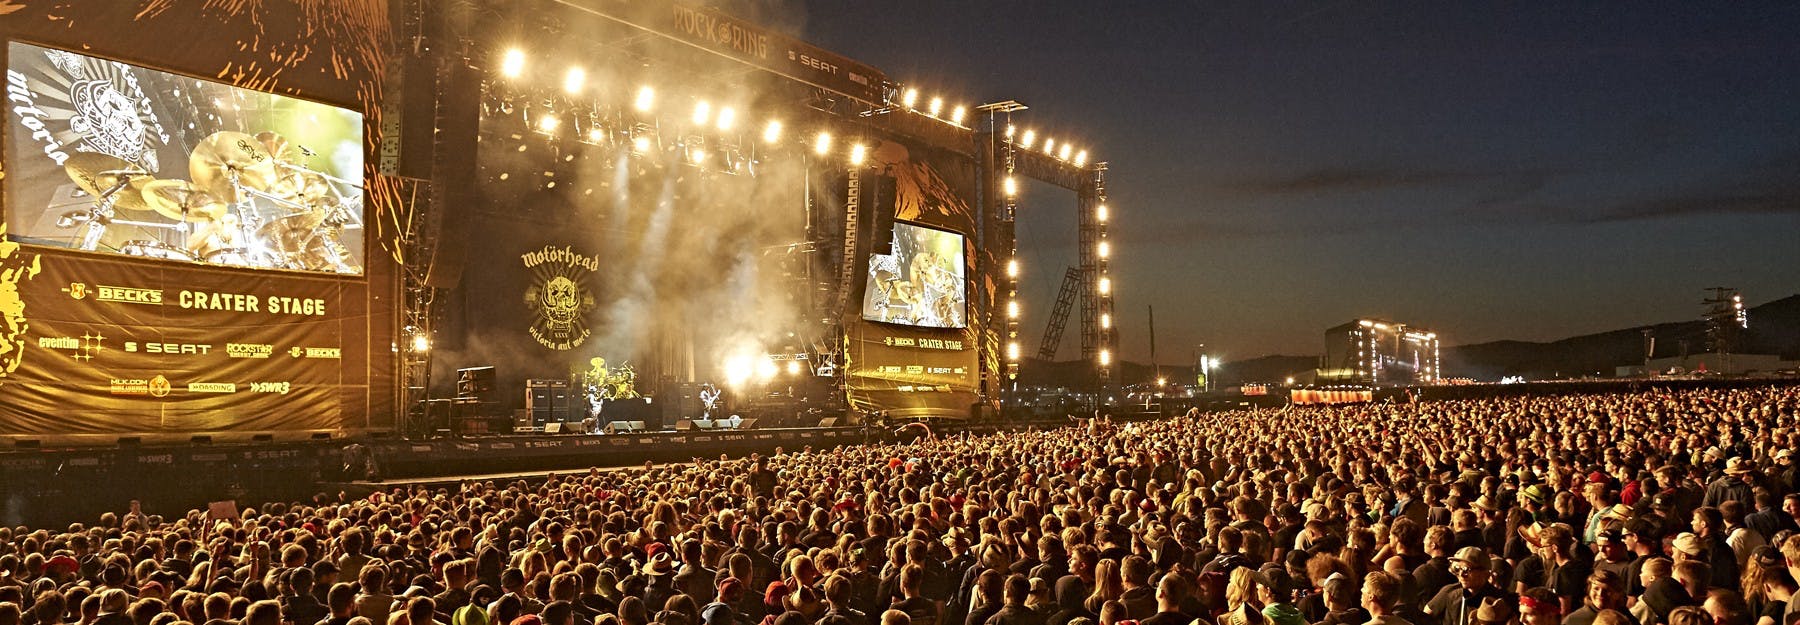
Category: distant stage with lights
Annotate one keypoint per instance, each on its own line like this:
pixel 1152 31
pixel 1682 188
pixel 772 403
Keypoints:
pixel 693 228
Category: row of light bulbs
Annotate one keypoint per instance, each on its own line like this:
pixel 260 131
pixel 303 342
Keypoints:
pixel 704 114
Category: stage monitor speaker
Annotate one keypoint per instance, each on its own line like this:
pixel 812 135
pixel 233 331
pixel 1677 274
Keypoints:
pixel 747 424
pixel 619 427
pixel 683 425
pixel 706 424
pixel 878 200
pixel 828 422
pixel 474 381
pixel 553 427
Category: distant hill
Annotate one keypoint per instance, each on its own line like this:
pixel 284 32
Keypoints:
pixel 1774 329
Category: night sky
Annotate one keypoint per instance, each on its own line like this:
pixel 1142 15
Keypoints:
pixel 1503 171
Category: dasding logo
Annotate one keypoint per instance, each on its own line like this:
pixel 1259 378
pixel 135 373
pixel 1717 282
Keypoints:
pixel 559 297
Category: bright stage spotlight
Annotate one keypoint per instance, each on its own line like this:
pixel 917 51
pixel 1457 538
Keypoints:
pixel 857 153
pixel 1106 286
pixel 910 98
pixel 512 65
pixel 1063 154
pixel 1012 268
pixel 548 123
pixel 697 155
pixel 1012 309
pixel 793 367
pixel 1105 249
pixel 1106 358
pixel 573 81
pixel 1048 143
pixel 640 144
pixel 822 145
pixel 702 112
pixel 957 114
pixel 1081 158
pixel 596 135
pixel 739 369
pixel 1106 321
pixel 421 343
pixel 772 132
pixel 1029 138
pixel 1011 186
pixel 1010 131
pixel 726 118
pixel 1102 213
pixel 766 369
pixel 1012 351
pixel 937 106
pixel 646 99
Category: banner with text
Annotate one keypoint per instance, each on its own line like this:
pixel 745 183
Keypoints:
pixel 94 346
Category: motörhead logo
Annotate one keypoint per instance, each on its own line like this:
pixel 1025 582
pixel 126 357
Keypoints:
pixel 559 296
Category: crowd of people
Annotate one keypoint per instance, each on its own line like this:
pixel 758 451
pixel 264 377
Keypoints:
pixel 1656 508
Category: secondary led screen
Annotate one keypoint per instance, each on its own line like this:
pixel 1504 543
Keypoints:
pixel 922 283
pixel 108 157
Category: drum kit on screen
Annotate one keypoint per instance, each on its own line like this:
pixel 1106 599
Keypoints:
pixel 250 202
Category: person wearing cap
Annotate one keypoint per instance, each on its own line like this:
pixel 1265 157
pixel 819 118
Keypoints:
pixel 1495 612
pixel 1275 591
pixel 1342 603
pixel 1735 484
pixel 723 610
pixel 1456 603
pixel 1613 555
pixel 1643 538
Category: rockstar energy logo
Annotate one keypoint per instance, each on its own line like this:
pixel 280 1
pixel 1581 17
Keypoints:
pixel 558 297
pixel 15 268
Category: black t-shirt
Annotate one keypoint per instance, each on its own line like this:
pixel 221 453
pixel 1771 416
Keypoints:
pixel 1167 618
pixel 922 611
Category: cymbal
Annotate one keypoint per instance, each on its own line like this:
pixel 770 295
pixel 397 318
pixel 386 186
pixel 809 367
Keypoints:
pixel 167 197
pixel 98 173
pixel 221 154
pixel 276 145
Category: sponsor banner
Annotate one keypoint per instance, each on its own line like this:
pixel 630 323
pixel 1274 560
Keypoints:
pixel 96 346
pixel 786 56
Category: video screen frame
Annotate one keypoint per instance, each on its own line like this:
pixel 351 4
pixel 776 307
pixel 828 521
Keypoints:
pixel 265 203
pixel 892 278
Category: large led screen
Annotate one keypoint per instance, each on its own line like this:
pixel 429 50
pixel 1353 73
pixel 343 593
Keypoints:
pixel 922 283
pixel 107 157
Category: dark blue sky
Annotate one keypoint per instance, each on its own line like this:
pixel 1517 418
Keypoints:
pixel 1504 170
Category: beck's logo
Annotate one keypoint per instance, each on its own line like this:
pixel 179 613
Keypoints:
pixel 76 290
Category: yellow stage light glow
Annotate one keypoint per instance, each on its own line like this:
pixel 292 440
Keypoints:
pixel 1029 138
pixel 822 145
pixel 793 367
pixel 1105 357
pixel 702 112
pixel 646 99
pixel 1064 153
pixel 1105 249
pixel 548 123
pixel 512 65
pixel 574 80
pixel 1105 286
pixel 910 98
pixel 1012 186
pixel 857 153
pixel 421 343
pixel 1106 321
pixel 640 144
pixel 727 118
pixel 1012 268
pixel 1081 158
pixel 937 106
pixel 1101 213
pixel 957 114
pixel 772 132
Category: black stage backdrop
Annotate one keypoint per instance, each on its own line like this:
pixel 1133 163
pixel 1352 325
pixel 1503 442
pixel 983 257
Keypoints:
pixel 68 369
pixel 910 371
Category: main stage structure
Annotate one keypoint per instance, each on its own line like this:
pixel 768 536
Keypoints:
pixel 299 224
